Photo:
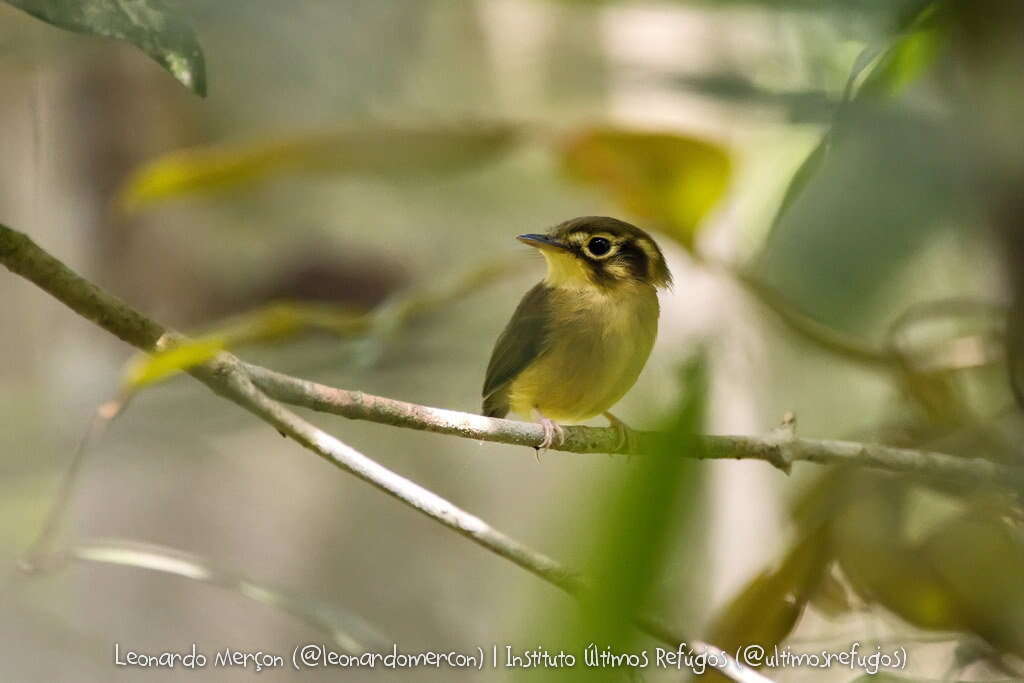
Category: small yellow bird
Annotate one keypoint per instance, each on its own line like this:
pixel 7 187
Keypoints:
pixel 579 339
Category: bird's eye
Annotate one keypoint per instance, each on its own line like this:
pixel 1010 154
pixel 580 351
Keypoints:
pixel 599 246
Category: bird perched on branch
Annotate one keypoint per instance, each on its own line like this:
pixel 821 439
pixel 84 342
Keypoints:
pixel 579 339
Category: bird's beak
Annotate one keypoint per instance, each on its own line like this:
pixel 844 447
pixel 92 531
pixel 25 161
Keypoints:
pixel 542 242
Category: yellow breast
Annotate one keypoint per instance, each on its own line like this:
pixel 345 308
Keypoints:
pixel 599 343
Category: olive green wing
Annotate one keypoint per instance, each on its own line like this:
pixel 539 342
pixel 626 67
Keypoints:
pixel 524 339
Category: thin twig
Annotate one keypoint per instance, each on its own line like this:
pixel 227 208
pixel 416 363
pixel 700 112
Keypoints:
pixel 346 629
pixel 822 335
pixel 41 554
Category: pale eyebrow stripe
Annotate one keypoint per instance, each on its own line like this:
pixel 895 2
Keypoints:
pixel 649 251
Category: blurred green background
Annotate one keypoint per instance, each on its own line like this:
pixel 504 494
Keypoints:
pixel 836 185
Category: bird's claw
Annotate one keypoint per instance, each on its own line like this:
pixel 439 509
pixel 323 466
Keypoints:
pixel 625 441
pixel 554 435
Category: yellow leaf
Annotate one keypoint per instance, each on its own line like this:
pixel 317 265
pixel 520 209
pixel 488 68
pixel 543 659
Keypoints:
pixel 374 149
pixel 670 180
pixel 882 564
pixel 274 321
pixel 145 370
pixel 979 557
pixel 766 610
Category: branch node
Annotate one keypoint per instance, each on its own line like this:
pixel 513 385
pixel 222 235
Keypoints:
pixel 779 442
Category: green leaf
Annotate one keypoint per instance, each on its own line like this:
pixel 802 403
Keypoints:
pixel 911 54
pixel 670 180
pixel 889 72
pixel 808 105
pixel 371 149
pixel 807 170
pixel 640 518
pixel 150 25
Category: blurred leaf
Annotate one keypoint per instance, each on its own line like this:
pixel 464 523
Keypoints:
pixel 876 193
pixel 936 395
pixel 816 158
pixel 905 60
pixel 639 521
pixel 938 342
pixel 371 149
pixel 799 106
pixel 830 597
pixel 903 63
pixel 881 563
pixel 824 498
pixel 807 170
pixel 1015 346
pixel 144 370
pixel 911 54
pixel 670 180
pixel 151 25
pixel 965 575
pixel 766 611
pixel 882 176
pixel 276 320
pixel 979 557
pixel 283 319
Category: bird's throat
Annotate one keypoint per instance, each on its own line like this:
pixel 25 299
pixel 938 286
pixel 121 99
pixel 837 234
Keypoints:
pixel 566 270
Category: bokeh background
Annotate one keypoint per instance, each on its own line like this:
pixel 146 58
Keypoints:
pixel 835 184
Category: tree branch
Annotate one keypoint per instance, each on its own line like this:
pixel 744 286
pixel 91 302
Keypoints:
pixel 24 257
pixel 229 377
pixel 780 450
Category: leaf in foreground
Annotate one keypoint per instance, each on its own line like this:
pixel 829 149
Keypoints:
pixel 150 25
pixel 640 521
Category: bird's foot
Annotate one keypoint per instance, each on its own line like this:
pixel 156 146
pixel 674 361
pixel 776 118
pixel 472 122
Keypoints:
pixel 554 435
pixel 625 439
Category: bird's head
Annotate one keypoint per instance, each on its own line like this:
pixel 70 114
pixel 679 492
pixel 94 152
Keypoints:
pixel 597 251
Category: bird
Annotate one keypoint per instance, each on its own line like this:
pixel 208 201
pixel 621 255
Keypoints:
pixel 579 338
